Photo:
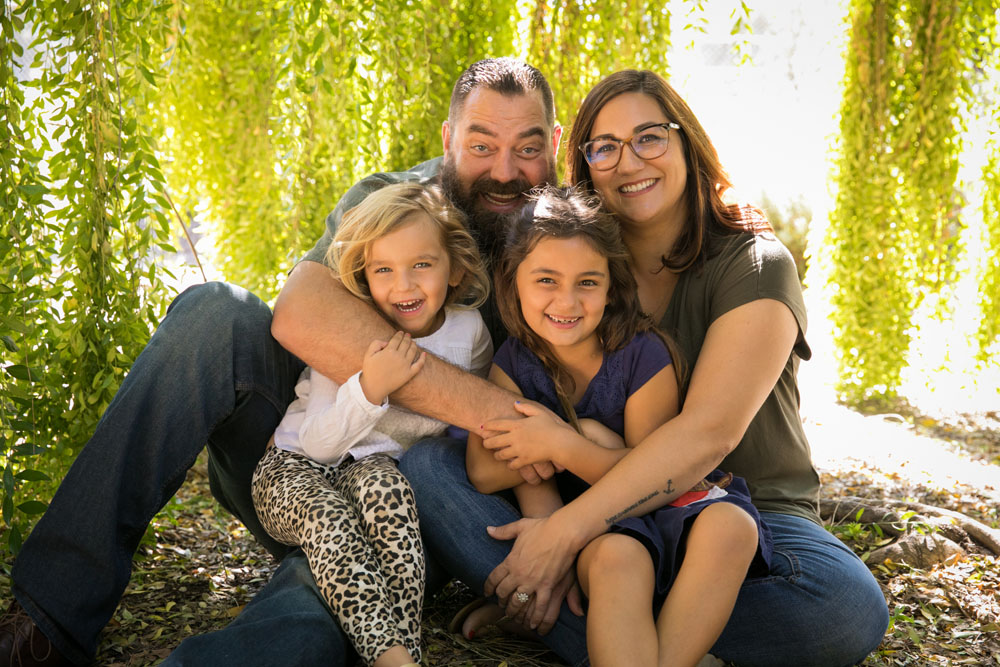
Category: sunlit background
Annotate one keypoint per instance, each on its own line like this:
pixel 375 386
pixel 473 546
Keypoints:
pixel 774 122
pixel 769 100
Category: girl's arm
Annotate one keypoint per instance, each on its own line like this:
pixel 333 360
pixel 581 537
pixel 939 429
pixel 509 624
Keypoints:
pixel 651 406
pixel 600 434
pixel 744 353
pixel 540 436
pixel 337 418
pixel 489 476
pixel 538 500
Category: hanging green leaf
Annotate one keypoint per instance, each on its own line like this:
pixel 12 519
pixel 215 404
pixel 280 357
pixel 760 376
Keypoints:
pixel 32 507
pixel 895 231
pixel 29 475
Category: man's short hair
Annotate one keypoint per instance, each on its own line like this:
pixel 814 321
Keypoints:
pixel 507 76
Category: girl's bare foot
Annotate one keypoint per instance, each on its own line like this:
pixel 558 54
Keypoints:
pixel 481 617
pixel 396 656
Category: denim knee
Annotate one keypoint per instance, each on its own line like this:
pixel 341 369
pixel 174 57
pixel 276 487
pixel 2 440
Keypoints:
pixel 820 606
pixel 233 330
pixel 217 306
pixel 431 461
pixel 286 623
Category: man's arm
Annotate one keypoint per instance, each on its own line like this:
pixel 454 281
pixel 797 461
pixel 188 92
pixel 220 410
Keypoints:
pixel 486 473
pixel 328 328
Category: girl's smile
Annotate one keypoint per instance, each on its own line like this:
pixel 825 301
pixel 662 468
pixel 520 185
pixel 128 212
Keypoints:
pixel 563 322
pixel 408 274
pixel 410 307
pixel 563 288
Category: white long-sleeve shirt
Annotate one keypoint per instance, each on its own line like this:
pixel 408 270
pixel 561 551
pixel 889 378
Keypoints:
pixel 326 421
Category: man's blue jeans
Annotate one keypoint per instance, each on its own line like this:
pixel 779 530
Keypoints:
pixel 286 623
pixel 820 606
pixel 211 374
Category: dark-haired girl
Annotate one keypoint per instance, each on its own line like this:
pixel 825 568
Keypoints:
pixel 581 347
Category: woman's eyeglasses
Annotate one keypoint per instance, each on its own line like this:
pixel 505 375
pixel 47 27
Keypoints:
pixel 648 143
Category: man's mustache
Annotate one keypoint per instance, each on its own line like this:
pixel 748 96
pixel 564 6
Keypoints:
pixel 490 185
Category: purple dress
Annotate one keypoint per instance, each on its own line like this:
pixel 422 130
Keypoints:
pixel 623 372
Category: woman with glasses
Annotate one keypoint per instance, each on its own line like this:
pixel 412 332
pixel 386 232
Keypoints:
pixel 716 280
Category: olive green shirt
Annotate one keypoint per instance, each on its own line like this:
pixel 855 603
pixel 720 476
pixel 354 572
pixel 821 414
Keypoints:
pixel 773 455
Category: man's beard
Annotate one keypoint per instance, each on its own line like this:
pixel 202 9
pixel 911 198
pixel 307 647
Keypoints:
pixel 489 228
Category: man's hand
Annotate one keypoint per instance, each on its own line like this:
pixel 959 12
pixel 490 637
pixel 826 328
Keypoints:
pixel 540 565
pixel 536 473
pixel 540 437
pixel 390 365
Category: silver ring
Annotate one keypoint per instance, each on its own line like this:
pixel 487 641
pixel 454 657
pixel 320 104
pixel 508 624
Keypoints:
pixel 522 597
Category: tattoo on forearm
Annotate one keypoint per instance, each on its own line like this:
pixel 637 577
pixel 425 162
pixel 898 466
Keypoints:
pixel 616 517
pixel 670 489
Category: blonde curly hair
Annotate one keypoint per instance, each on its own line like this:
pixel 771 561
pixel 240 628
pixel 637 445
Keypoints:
pixel 386 210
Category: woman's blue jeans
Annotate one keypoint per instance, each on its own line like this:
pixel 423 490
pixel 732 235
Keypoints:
pixel 820 606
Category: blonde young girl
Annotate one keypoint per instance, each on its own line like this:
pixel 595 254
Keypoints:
pixel 328 480
pixel 581 348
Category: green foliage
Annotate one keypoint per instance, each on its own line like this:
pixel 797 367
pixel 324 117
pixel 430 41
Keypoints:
pixel 894 233
pixel 989 281
pixel 82 210
pixel 255 117
pixel 575 44
pixel 27 242
pixel 989 327
pixel 275 108
pixel 791 224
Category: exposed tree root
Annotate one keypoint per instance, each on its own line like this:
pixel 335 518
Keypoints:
pixel 887 514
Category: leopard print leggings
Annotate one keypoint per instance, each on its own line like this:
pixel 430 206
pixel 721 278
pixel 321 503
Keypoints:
pixel 357 524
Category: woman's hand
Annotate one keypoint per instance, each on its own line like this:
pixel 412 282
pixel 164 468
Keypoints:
pixel 568 589
pixel 540 437
pixel 540 565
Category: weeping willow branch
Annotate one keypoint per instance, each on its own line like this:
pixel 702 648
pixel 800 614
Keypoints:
pixel 895 231
pixel 187 235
